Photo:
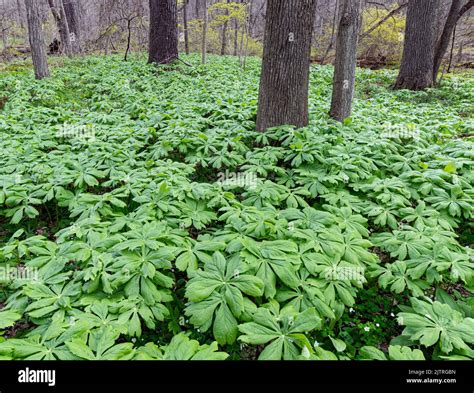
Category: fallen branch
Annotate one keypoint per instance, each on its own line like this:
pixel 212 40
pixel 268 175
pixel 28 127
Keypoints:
pixel 185 63
pixel 465 8
pixel 382 21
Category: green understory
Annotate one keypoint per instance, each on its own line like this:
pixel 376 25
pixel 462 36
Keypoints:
pixel 142 217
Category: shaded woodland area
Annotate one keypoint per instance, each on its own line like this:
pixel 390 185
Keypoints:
pixel 242 180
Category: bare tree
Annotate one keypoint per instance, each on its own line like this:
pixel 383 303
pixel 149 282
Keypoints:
pixel 20 13
pixel 346 59
pixel 35 34
pixel 331 42
pixel 6 25
pixel 57 9
pixel 416 69
pixel 242 35
pixel 246 32
pixel 224 33
pixel 130 19
pixel 236 34
pixel 204 31
pixel 163 45
pixel 456 11
pixel 185 26
pixel 284 83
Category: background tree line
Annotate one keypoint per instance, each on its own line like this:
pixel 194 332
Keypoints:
pixel 235 27
pixel 286 29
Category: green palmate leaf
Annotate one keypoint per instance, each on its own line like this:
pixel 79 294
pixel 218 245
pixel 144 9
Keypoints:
pixel 306 295
pixel 272 260
pixel 199 252
pixel 431 323
pixel 281 332
pixel 225 325
pixel 396 277
pixel 219 289
pixel 101 346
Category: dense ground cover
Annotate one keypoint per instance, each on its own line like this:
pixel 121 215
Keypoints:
pixel 142 217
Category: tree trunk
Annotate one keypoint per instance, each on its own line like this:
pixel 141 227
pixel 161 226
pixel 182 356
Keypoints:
pixel 444 40
pixel 5 39
pixel 451 53
pixel 346 59
pixel 416 69
pixel 20 14
pixel 241 45
pixel 57 10
pixel 460 52
pixel 72 13
pixel 331 42
pixel 248 33
pixel 284 83
pixel 455 12
pixel 236 34
pixel 204 31
pixel 224 33
pixel 35 34
pixel 185 26
pixel 163 45
pixel 129 38
pixel 197 8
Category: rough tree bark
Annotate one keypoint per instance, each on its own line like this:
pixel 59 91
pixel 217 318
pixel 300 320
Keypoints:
pixel 346 59
pixel 163 45
pixel 204 31
pixel 72 13
pixel 59 15
pixel 416 69
pixel 284 83
pixel 35 34
pixel 185 26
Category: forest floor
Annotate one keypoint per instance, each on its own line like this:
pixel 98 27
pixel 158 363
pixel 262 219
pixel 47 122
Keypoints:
pixel 146 205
